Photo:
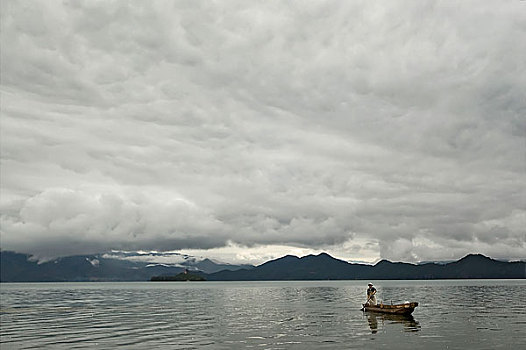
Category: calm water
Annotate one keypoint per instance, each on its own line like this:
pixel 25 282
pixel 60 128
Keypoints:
pixel 481 314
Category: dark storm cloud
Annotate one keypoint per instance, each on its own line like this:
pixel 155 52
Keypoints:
pixel 397 126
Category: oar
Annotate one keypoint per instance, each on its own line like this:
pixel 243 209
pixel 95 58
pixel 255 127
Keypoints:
pixel 363 308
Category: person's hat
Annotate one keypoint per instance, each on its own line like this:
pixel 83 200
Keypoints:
pixel 370 284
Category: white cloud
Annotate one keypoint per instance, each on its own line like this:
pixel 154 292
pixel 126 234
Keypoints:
pixel 391 131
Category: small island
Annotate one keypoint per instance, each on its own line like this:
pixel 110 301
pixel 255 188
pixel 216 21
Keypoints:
pixel 183 276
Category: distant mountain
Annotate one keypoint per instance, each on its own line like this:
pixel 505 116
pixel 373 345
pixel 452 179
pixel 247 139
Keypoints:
pixel 209 266
pixel 310 267
pixel 115 266
pixel 323 267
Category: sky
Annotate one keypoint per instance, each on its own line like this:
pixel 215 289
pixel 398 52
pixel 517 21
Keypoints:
pixel 244 131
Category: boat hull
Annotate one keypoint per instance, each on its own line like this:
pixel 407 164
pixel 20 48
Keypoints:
pixel 398 309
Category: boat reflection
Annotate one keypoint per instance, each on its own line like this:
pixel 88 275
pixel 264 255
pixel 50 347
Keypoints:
pixel 408 321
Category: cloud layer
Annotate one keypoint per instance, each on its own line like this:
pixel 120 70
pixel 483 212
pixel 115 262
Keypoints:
pixel 392 131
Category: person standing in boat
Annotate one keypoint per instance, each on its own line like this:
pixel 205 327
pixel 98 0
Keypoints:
pixel 371 294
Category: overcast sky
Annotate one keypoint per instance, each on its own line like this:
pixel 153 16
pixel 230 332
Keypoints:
pixel 248 130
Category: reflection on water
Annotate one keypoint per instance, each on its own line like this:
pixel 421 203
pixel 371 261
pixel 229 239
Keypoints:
pixel 262 315
pixel 407 321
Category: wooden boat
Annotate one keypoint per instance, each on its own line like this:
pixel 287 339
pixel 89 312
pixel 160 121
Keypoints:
pixel 398 309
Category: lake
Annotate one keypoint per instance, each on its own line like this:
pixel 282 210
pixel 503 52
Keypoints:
pixel 454 314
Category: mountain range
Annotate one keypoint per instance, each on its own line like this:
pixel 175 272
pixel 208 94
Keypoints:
pixel 325 267
pixel 113 266
pixel 15 267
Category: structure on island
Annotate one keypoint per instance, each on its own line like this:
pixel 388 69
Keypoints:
pixel 183 276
